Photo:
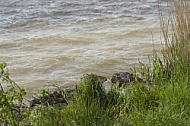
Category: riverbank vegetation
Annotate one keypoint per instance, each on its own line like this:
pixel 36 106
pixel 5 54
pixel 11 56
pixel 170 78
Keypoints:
pixel 163 98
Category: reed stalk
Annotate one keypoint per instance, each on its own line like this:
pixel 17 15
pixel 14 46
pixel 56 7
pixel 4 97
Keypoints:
pixel 176 34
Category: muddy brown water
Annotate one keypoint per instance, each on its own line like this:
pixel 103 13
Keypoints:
pixel 57 41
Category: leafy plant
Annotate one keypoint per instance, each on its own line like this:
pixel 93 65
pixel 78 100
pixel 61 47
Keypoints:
pixel 11 98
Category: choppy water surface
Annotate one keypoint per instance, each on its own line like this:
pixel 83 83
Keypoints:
pixel 60 40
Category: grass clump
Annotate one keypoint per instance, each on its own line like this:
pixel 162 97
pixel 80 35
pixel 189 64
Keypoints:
pixel 176 32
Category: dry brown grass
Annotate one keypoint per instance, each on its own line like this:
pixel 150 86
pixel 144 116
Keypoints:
pixel 176 33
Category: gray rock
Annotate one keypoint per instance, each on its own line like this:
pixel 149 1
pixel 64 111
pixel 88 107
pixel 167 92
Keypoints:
pixel 122 78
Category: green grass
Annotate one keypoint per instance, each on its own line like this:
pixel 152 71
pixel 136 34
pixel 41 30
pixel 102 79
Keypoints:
pixel 163 101
pixel 161 105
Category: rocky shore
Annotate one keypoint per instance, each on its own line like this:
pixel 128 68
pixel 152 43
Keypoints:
pixel 61 98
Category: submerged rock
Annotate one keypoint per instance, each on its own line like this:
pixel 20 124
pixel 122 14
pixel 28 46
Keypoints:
pixel 122 78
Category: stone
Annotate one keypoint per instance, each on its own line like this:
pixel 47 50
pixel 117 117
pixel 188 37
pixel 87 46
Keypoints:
pixel 122 78
pixel 56 98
